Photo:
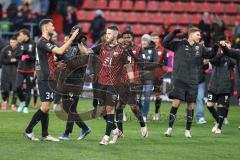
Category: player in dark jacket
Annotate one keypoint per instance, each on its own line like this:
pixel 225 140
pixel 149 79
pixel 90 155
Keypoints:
pixel 9 68
pixel 25 69
pixel 185 78
pixel 219 89
pixel 77 77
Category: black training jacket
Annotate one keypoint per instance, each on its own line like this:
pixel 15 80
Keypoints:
pixel 187 58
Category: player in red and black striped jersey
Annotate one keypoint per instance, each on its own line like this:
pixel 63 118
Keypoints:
pixel 45 73
pixel 111 62
pixel 158 72
pixel 130 86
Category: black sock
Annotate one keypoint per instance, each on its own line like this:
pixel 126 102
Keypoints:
pixel 95 103
pixel 139 116
pixel 20 94
pixel 119 118
pixel 213 111
pixel 44 122
pixel 35 119
pixel 189 119
pixel 109 125
pixel 69 127
pixel 5 95
pixel 14 98
pixel 226 114
pixel 221 114
pixel 172 116
pixel 157 104
pixel 79 121
pixel 139 102
pixel 35 96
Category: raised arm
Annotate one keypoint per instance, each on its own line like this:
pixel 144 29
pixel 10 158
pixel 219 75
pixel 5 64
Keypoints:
pixel 209 53
pixel 168 40
pixel 60 50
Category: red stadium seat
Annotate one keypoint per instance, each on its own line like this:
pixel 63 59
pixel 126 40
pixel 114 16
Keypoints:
pixel 157 18
pixel 179 7
pixel 138 29
pixel 122 27
pixel 150 28
pixel 184 19
pixel 140 6
pixel 131 17
pixel 108 16
pixel 236 19
pixel 196 18
pixel 204 7
pixel 90 4
pixel 152 6
pixel 85 27
pixel 119 16
pixel 90 15
pixel 166 6
pixel 114 5
pixel 226 19
pixel 81 15
pixel 217 8
pixel 127 5
pixel 144 17
pixel 231 8
pixel 191 7
pixel 171 18
pixel 101 4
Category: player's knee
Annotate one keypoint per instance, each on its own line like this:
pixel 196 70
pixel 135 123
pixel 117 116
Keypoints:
pixel 176 103
pixel 45 107
pixel 110 110
pixel 209 104
pixel 134 107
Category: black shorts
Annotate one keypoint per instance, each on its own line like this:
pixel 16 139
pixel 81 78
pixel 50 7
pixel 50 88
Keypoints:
pixel 127 95
pixel 46 94
pixel 8 83
pixel 220 99
pixel 184 92
pixel 107 95
pixel 24 78
pixel 157 83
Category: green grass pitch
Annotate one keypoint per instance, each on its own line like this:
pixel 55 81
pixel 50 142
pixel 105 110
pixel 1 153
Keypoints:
pixel 202 146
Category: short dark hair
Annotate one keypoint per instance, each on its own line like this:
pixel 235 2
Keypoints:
pixel 128 32
pixel 43 22
pixel 25 32
pixel 119 36
pixel 193 29
pixel 115 28
pixel 155 34
pixel 13 37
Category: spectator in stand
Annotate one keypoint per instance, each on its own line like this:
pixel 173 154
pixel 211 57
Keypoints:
pixel 97 26
pixel 218 28
pixel 1 13
pixel 205 27
pixel 236 30
pixel 70 19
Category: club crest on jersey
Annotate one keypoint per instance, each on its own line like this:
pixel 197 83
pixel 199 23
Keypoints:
pixel 159 53
pixel 197 48
pixel 149 51
pixel 9 53
pixel 30 47
pixel 115 54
